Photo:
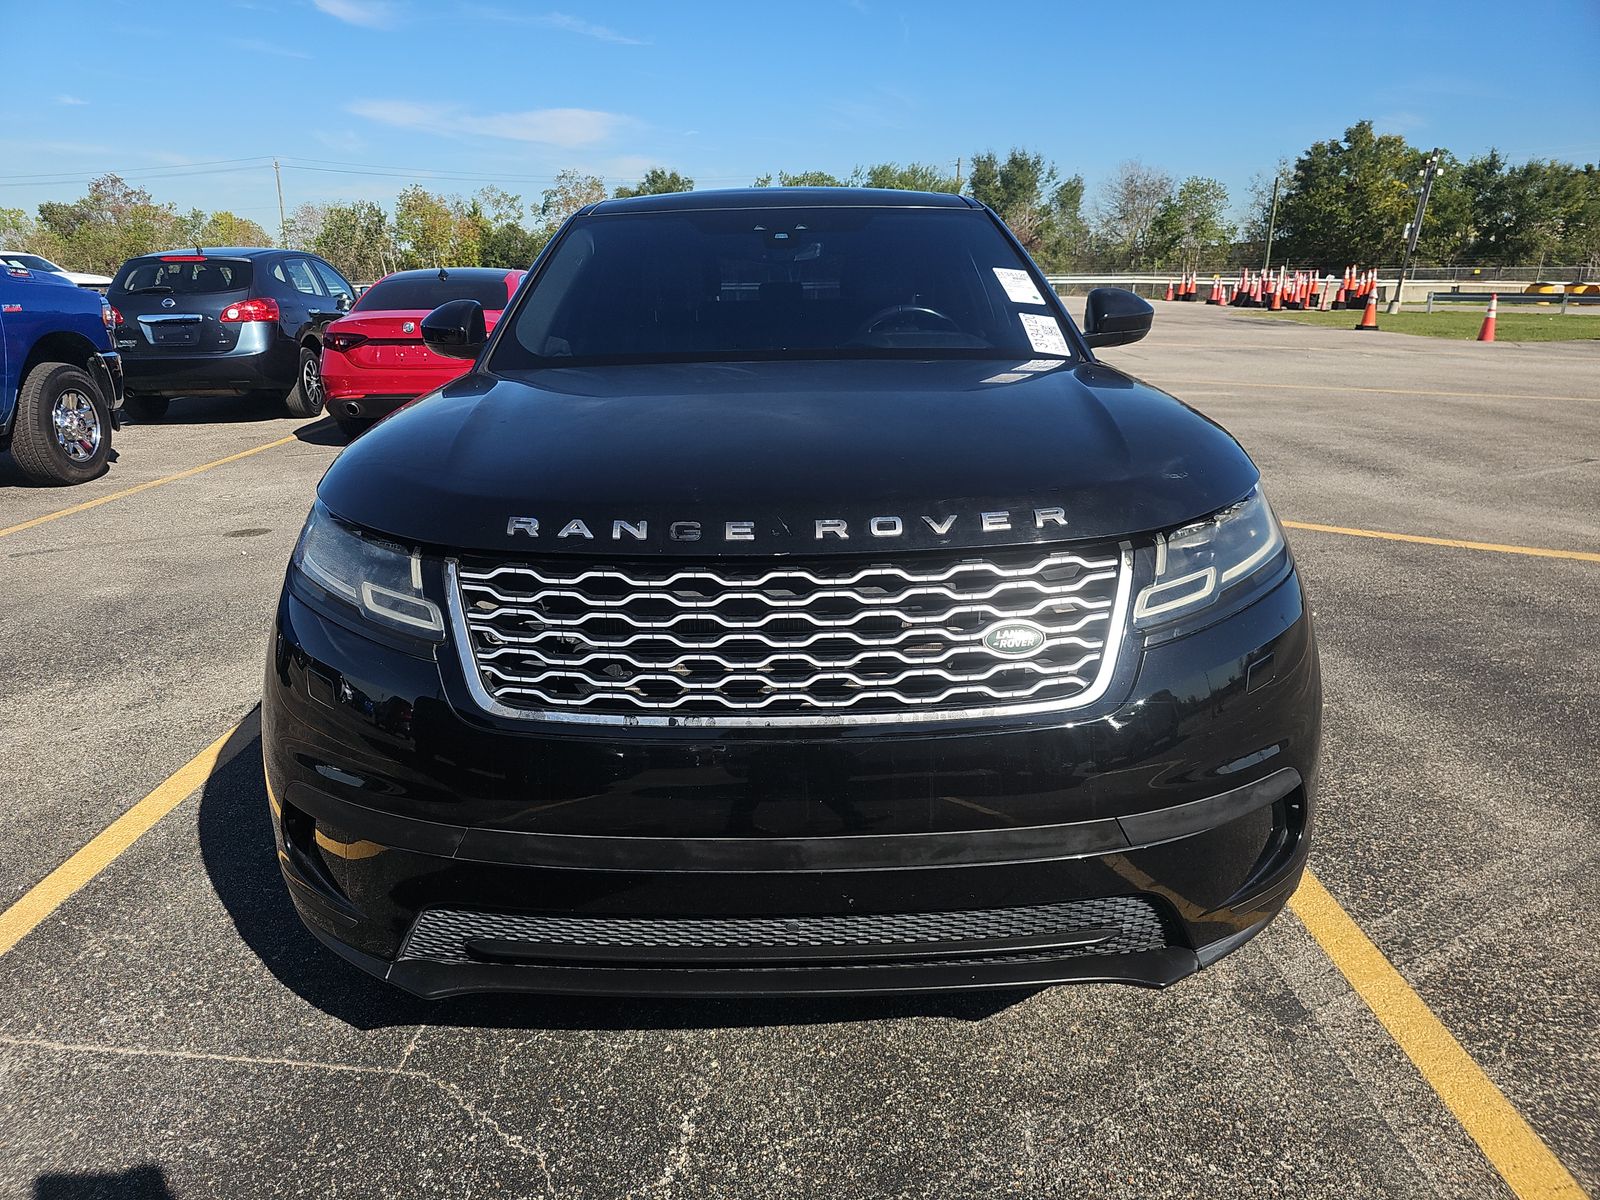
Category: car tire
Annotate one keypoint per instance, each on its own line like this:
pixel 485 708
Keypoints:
pixel 306 397
pixel 352 427
pixel 147 408
pixel 63 428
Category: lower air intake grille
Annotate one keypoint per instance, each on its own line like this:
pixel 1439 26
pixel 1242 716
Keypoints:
pixel 1120 925
pixel 826 640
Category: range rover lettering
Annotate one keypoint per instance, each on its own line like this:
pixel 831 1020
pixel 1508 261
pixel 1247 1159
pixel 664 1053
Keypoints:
pixel 787 600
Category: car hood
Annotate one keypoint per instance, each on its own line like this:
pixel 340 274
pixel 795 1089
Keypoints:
pixel 724 459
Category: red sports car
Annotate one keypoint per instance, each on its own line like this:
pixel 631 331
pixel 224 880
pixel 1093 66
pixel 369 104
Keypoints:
pixel 373 359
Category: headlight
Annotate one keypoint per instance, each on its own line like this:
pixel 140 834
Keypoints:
pixel 380 579
pixel 1201 563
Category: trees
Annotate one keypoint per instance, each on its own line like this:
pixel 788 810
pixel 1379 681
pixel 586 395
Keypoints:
pixel 1191 226
pixel 222 229
pixel 657 181
pixel 1041 209
pixel 17 229
pixel 1127 206
pixel 357 238
pixel 432 230
pixel 1534 213
pixel 803 179
pixel 572 190
pixel 110 224
pixel 913 177
pixel 1349 199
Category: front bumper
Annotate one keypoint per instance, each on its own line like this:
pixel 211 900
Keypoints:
pixel 449 851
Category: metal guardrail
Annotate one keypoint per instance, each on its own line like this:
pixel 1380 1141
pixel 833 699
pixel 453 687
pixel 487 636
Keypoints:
pixel 1564 299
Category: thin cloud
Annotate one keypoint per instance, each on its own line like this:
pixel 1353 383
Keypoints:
pixel 71 100
pixel 553 20
pixel 257 46
pixel 557 20
pixel 369 14
pixel 564 127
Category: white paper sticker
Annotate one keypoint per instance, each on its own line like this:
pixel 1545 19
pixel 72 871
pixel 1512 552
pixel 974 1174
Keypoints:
pixel 1006 377
pixel 1044 334
pixel 1038 364
pixel 1019 287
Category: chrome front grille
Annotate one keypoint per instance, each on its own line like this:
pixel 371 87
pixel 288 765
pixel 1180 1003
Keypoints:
pixel 838 641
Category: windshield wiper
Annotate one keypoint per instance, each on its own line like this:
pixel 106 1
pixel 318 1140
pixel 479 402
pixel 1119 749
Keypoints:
pixel 154 287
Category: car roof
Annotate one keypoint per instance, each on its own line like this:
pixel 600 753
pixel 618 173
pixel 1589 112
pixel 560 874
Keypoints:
pixel 225 251
pixel 455 273
pixel 780 197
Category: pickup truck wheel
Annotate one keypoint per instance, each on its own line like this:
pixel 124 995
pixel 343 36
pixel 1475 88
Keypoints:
pixel 305 398
pixel 63 432
pixel 147 408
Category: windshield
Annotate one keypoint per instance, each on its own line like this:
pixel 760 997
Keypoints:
pixel 424 293
pixel 27 262
pixel 732 284
pixel 183 274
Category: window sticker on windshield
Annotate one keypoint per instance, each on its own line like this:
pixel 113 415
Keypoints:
pixel 1037 364
pixel 1019 287
pixel 1044 334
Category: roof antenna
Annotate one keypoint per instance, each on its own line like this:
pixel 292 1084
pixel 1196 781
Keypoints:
pixel 200 252
pixel 443 274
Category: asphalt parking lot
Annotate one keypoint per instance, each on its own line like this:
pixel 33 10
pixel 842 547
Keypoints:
pixel 168 1029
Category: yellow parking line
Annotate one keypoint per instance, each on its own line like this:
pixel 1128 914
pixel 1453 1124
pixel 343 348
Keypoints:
pixel 56 888
pixel 1343 387
pixel 1510 1144
pixel 144 487
pixel 1454 543
pixel 1506 1139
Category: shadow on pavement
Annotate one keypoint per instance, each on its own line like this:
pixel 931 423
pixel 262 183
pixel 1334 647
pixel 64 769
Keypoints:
pixel 148 1182
pixel 236 844
pixel 321 432
pixel 11 475
pixel 217 410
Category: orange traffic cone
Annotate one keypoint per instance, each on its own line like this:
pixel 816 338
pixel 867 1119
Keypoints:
pixel 1276 304
pixel 1369 318
pixel 1169 289
pixel 1486 333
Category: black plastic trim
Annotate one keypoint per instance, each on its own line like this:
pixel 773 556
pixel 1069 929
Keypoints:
pixel 735 855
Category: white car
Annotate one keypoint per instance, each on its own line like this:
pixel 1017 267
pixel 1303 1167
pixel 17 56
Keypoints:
pixel 34 262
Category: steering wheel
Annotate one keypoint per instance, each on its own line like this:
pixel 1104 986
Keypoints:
pixel 870 325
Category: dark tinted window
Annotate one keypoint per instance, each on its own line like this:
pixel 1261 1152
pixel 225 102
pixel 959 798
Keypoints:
pixel 772 283
pixel 332 280
pixel 28 262
pixel 185 277
pixel 300 276
pixel 425 293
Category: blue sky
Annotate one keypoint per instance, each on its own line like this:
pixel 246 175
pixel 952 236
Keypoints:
pixel 360 97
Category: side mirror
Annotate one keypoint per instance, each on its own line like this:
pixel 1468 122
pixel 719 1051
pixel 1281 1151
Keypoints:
pixel 455 329
pixel 1114 317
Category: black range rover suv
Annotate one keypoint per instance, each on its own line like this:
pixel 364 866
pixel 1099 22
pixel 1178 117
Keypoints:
pixel 225 322
pixel 789 601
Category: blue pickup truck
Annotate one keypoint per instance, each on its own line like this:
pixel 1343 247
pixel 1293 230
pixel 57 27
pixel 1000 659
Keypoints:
pixel 60 379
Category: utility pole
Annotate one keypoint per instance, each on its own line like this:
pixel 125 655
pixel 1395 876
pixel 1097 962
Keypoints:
pixel 283 224
pixel 1272 225
pixel 1430 171
pixel 958 174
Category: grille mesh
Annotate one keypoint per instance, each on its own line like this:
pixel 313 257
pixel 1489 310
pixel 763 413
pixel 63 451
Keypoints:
pixel 441 934
pixel 783 640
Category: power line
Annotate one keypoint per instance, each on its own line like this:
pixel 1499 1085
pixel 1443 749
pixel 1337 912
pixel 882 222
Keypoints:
pixel 47 176
pixel 176 174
